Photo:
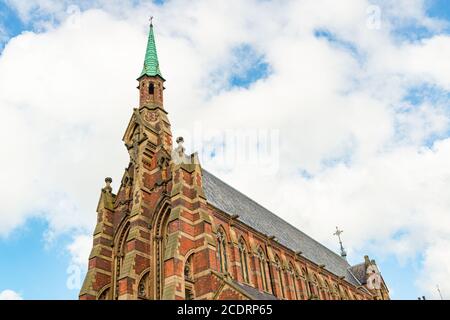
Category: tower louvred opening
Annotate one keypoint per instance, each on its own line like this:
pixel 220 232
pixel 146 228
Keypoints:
pixel 151 88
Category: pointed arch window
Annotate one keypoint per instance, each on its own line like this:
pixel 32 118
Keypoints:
pixel 310 284
pixel 294 276
pixel 304 283
pixel 350 295
pixel 143 287
pixel 188 269
pixel 222 251
pixel 344 295
pixel 313 291
pixel 262 269
pixel 104 295
pixel 327 295
pixel 119 257
pixel 336 292
pixel 243 257
pixel 279 271
pixel 189 293
pixel 320 287
pixel 315 283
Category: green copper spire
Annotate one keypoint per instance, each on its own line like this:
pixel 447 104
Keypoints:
pixel 151 64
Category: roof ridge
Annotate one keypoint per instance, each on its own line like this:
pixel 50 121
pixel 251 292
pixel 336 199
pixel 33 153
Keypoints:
pixel 357 265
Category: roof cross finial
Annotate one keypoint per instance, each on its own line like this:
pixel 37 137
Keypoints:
pixel 439 290
pixel 338 234
pixel 151 20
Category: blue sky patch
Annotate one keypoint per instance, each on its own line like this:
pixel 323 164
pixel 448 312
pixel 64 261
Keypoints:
pixel 439 9
pixel 248 68
pixel 36 264
pixel 426 92
pixel 9 23
pixel 337 42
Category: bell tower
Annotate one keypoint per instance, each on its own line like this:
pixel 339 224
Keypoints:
pixel 126 261
pixel 151 81
pixel 154 238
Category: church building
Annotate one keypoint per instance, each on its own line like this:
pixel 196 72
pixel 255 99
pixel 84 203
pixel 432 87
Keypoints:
pixel 175 231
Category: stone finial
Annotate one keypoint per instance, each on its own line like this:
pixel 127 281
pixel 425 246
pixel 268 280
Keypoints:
pixel 108 182
pixel 180 149
pixel 178 155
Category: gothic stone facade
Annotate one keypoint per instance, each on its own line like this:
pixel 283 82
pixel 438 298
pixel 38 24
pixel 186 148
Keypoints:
pixel 175 231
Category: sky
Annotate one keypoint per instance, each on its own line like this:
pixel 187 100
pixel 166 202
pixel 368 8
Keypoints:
pixel 343 109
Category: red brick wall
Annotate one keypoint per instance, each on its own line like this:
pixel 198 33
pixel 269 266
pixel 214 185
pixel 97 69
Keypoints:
pixel 236 230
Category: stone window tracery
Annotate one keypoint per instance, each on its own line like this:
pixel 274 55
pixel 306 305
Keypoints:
pixel 294 276
pixel 243 258
pixel 262 268
pixel 189 293
pixel 104 295
pixel 279 271
pixel 143 287
pixel 222 251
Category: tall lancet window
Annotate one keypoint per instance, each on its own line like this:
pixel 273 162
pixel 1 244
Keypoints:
pixel 336 292
pixel 222 251
pixel 326 290
pixel 311 286
pixel 262 269
pixel 294 277
pixel 279 271
pixel 316 287
pixel 189 293
pixel 122 250
pixel 243 257
pixel 143 287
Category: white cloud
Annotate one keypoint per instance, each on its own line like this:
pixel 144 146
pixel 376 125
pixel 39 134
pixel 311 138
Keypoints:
pixel 9 295
pixel 436 271
pixel 80 249
pixel 67 94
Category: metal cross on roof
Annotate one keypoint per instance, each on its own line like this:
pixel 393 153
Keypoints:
pixel 151 20
pixel 338 234
pixel 439 290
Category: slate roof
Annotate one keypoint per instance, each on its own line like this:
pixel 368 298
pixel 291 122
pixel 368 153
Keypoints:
pixel 359 271
pixel 229 200
pixel 254 293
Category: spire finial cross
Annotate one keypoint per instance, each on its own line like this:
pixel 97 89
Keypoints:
pixel 151 20
pixel 338 234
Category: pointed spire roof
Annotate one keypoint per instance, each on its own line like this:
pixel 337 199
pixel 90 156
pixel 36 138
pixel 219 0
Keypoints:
pixel 151 63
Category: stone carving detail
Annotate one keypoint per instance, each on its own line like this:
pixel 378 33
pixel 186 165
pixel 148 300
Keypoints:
pixel 178 155
pixel 150 116
pixel 107 187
